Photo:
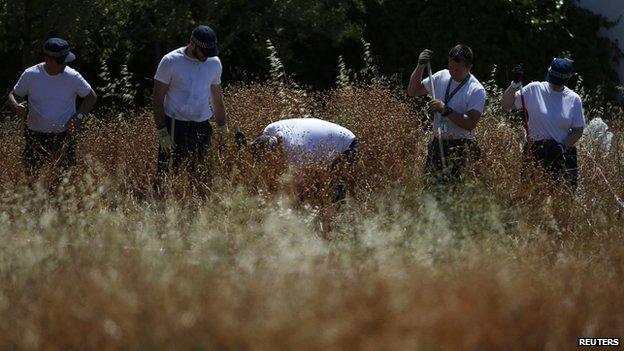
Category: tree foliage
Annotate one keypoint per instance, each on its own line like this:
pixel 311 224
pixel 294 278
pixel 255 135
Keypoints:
pixel 308 36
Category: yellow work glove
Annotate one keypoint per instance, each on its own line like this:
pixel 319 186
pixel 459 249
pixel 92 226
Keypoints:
pixel 164 140
pixel 425 57
pixel 222 130
pixel 439 106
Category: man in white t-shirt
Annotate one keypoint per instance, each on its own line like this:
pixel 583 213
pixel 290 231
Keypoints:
pixel 459 104
pixel 555 120
pixel 52 121
pixel 312 141
pixel 187 94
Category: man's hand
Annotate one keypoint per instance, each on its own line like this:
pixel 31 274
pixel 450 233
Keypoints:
pixel 438 105
pixel 221 135
pixel 559 152
pixel 240 138
pixel 518 72
pixel 164 140
pixel 515 86
pixel 425 57
pixel 74 126
pixel 223 130
pixel 21 111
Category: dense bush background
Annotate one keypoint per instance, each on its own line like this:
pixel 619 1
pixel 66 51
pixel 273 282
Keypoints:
pixel 130 36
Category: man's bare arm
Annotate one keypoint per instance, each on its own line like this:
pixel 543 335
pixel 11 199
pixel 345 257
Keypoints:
pixel 468 122
pixel 20 110
pixel 218 107
pixel 158 103
pixel 87 103
pixel 415 87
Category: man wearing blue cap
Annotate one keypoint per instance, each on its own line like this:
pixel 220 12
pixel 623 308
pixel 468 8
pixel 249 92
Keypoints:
pixel 52 120
pixel 187 94
pixel 555 120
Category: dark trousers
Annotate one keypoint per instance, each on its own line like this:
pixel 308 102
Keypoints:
pixel 340 173
pixel 345 160
pixel 546 154
pixel 48 148
pixel 457 154
pixel 191 139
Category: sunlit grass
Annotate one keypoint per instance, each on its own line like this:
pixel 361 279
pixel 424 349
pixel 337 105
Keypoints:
pixel 235 261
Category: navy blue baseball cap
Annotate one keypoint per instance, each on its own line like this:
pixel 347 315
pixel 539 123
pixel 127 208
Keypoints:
pixel 59 50
pixel 560 71
pixel 206 40
pixel 264 141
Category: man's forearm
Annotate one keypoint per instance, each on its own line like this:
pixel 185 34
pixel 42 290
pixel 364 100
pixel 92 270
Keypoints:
pixel 219 113
pixel 158 106
pixel 508 98
pixel 415 82
pixel 218 107
pixel 468 123
pixel 572 138
pixel 13 102
pixel 87 104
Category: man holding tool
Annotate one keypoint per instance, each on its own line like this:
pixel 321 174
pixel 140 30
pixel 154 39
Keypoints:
pixel 555 120
pixel 457 111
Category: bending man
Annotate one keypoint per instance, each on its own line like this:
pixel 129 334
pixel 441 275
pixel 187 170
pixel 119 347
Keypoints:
pixel 307 141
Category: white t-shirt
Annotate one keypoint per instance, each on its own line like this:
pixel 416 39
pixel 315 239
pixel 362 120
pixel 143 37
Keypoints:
pixel 51 99
pixel 551 113
pixel 189 80
pixel 311 139
pixel 470 97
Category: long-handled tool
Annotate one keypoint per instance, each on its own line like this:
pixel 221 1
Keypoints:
pixel 239 137
pixel 172 142
pixel 437 114
pixel 518 72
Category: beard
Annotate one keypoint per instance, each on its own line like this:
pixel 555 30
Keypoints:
pixel 199 54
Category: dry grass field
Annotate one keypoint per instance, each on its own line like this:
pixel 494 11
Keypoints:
pixel 234 261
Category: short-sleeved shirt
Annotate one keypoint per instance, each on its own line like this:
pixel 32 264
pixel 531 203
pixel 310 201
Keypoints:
pixel 51 98
pixel 189 80
pixel 311 139
pixel 470 97
pixel 551 113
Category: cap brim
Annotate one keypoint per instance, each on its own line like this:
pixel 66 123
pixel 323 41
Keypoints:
pixel 70 57
pixel 210 52
pixel 555 80
pixel 264 142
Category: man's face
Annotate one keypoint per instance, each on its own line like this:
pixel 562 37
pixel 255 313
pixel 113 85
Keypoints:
pixel 197 53
pixel 54 66
pixel 458 70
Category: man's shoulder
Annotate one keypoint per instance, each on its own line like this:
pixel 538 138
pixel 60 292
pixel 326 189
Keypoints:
pixel 72 72
pixel 213 63
pixel 174 55
pixel 442 74
pixel 475 84
pixel 536 85
pixel 572 94
pixel 274 124
pixel 34 70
